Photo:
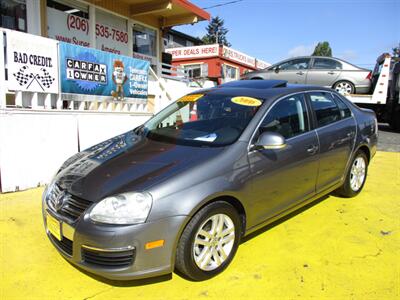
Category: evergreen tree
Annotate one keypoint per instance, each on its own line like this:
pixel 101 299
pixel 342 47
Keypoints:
pixel 323 49
pixel 216 30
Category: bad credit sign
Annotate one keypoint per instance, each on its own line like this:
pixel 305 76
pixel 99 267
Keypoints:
pixel 194 52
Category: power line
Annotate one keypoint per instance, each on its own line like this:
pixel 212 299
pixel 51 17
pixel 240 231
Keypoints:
pixel 222 4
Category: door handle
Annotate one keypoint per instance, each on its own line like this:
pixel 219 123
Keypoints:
pixel 331 73
pixel 300 73
pixel 312 149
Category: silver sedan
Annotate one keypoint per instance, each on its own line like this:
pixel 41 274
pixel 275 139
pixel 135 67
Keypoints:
pixel 329 72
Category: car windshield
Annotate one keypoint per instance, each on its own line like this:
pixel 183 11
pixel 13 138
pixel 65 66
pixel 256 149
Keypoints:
pixel 203 120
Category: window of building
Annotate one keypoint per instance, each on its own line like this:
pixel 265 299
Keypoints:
pixel 144 40
pixel 68 21
pixel 193 71
pixel 70 7
pixel 288 117
pixel 13 14
pixel 325 108
pixel 230 72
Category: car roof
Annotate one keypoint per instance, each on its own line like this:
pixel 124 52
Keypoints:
pixel 264 89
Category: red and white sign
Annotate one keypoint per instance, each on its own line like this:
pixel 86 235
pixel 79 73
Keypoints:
pixel 260 64
pixel 111 34
pixel 68 28
pixel 194 52
pixel 238 56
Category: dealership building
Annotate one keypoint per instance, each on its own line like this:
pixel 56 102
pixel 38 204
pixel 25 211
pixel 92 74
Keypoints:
pixel 134 28
pixel 215 62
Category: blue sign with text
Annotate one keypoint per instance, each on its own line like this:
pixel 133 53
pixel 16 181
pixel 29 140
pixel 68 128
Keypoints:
pixel 94 72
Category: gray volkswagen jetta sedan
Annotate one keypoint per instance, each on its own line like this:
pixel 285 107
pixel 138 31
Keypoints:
pixel 180 191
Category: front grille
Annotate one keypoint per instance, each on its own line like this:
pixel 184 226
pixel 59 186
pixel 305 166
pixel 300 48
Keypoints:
pixel 120 259
pixel 65 244
pixel 72 207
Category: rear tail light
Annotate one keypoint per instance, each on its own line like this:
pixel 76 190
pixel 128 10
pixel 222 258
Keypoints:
pixel 369 76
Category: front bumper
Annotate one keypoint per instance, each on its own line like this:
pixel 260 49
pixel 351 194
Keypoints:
pixel 117 252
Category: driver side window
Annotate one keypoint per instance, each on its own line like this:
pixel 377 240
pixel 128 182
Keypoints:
pixel 288 117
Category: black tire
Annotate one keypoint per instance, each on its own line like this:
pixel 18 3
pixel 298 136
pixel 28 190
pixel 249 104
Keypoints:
pixel 337 85
pixel 185 262
pixel 346 189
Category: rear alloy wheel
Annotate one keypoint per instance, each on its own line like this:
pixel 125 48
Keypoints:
pixel 344 87
pixel 356 176
pixel 209 241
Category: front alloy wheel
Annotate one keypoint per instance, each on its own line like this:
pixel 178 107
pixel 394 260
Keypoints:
pixel 214 242
pixel 209 241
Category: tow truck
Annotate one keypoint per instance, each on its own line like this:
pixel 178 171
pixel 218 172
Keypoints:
pixel 384 99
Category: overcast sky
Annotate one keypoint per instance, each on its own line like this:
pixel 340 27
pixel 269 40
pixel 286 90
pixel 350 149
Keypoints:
pixel 272 30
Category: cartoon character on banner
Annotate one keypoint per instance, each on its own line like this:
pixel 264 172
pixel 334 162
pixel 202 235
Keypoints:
pixel 119 78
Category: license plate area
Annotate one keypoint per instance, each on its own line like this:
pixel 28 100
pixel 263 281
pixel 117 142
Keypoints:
pixel 53 226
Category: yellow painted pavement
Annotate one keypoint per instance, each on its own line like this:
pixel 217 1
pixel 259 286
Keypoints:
pixel 336 249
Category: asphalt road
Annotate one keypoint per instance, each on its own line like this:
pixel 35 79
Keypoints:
pixel 388 140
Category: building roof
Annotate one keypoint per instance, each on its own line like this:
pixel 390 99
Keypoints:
pixel 168 12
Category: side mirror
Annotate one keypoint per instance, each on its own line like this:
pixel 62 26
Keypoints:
pixel 270 140
pixel 277 69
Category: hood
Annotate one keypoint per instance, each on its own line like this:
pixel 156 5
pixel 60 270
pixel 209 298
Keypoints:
pixel 127 162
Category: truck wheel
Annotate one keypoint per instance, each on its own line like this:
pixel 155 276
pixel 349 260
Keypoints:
pixel 209 241
pixel 356 176
pixel 344 87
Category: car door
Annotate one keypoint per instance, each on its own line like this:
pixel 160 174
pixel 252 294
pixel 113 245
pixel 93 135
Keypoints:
pixel 336 130
pixel 324 71
pixel 285 177
pixel 294 70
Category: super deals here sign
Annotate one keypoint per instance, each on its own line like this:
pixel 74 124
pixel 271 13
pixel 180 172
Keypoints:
pixel 94 72
pixel 32 63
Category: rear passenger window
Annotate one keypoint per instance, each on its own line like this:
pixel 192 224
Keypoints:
pixel 326 63
pixel 345 112
pixel 287 117
pixel 325 108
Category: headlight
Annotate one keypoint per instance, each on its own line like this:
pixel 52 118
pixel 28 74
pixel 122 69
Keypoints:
pixel 127 208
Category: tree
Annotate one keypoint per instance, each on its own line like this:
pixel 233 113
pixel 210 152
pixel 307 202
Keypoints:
pixel 323 49
pixel 216 32
pixel 396 51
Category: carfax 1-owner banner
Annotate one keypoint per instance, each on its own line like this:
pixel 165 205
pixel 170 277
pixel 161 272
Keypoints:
pixel 94 72
pixel 32 63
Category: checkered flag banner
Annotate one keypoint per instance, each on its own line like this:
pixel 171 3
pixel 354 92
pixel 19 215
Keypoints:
pixel 46 78
pixel 21 77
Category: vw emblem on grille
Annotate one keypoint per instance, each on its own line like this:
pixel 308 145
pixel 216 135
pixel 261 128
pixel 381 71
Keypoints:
pixel 59 201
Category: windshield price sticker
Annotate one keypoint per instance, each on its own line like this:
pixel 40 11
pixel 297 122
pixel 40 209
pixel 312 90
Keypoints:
pixel 191 98
pixel 246 101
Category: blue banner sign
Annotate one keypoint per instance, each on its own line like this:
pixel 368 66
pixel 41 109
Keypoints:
pixel 93 72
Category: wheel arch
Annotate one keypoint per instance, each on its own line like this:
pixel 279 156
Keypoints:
pixel 344 79
pixel 364 148
pixel 234 201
